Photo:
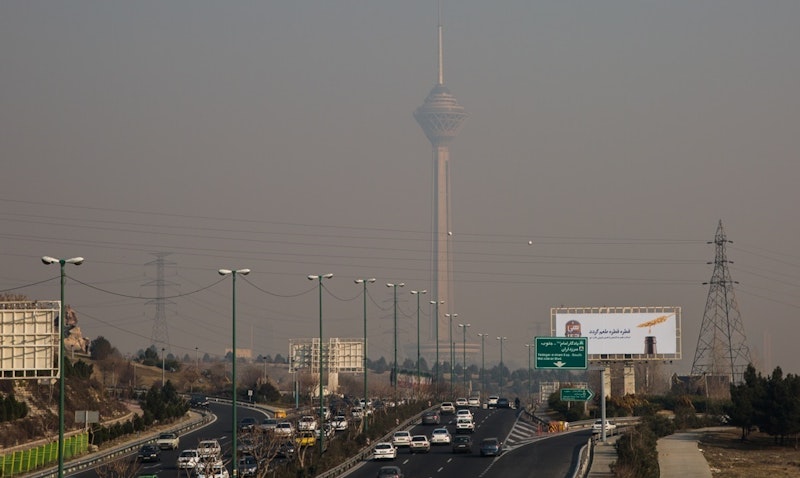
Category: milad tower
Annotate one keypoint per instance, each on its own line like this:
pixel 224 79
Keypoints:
pixel 440 118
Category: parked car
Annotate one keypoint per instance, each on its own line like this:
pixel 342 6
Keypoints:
pixel 431 418
pixel 390 472
pixel 462 444
pixel 465 425
pixel 188 460
pixel 503 402
pixel 168 441
pixel 149 453
pixel 247 424
pixel 209 448
pixel 384 451
pixel 491 447
pixel 447 407
pixel 441 436
pixel 401 438
pixel 420 443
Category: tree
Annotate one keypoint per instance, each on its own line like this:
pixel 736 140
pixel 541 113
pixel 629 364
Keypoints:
pixel 101 348
pixel 745 399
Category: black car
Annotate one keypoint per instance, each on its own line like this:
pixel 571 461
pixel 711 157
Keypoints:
pixel 248 466
pixel 462 444
pixel 390 472
pixel 490 447
pixel 149 453
pixel 503 403
pixel 431 418
pixel 247 424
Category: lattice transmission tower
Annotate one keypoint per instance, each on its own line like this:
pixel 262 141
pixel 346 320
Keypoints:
pixel 160 331
pixel 722 345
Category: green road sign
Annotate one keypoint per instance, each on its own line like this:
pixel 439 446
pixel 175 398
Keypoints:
pixel 576 394
pixel 565 353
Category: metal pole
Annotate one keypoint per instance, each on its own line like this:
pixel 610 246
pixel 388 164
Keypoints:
pixel 61 322
pixel 163 368
pixel 321 368
pixel 235 464
pixel 366 393
pixel 418 293
pixel 483 363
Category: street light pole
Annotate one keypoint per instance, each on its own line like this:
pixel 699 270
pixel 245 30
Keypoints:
pixel 436 337
pixel 530 348
pixel 319 278
pixel 364 282
pixel 483 363
pixel 47 260
pixel 163 368
pixel 235 425
pixel 464 346
pixel 418 293
pixel 452 350
pixel 501 339
pixel 395 286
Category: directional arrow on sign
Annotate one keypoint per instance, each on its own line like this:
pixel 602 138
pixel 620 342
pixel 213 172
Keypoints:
pixel 576 394
pixel 559 364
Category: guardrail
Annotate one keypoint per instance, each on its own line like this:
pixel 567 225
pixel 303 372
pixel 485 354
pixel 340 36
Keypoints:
pixel 99 457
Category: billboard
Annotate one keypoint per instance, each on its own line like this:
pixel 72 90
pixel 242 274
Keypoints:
pixel 338 355
pixel 29 340
pixel 622 333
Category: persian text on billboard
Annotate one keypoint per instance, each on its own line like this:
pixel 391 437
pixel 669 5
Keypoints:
pixel 622 333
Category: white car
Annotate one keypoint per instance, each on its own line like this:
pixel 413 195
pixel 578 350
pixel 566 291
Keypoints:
pixel 492 401
pixel 447 407
pixel 597 426
pixel 401 438
pixel 168 441
pixel 384 451
pixel 465 425
pixel 214 470
pixel 284 429
pixel 340 423
pixel 209 449
pixel 420 443
pixel 464 413
pixel 441 436
pixel 188 460
pixel 474 401
pixel 462 402
pixel 307 423
pixel 268 425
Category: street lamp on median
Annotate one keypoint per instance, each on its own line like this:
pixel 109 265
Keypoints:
pixel 395 286
pixel 452 350
pixel 163 367
pixel 436 338
pixel 364 282
pixel 464 345
pixel 418 293
pixel 501 339
pixel 483 362
pixel 319 278
pixel 47 260
pixel 530 348
pixel 233 273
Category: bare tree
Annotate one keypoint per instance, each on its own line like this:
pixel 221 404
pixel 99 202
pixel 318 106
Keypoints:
pixel 125 467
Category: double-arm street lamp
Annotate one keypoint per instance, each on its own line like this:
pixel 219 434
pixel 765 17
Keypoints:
pixel 394 366
pixel 452 349
pixel 483 362
pixel 364 283
pixel 501 339
pixel 418 293
pixel 235 426
pixel 47 260
pixel 319 278
pixel 464 346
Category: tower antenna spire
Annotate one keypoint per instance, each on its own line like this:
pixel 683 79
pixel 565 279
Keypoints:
pixel 439 29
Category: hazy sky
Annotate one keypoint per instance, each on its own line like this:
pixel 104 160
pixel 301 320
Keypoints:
pixel 278 136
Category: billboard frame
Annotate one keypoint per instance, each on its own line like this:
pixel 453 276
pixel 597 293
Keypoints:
pixel 624 357
pixel 30 339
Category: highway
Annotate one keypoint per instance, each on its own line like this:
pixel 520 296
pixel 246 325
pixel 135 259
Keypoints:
pixel 551 457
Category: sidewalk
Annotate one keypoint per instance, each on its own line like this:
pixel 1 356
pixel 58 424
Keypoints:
pixel 678 457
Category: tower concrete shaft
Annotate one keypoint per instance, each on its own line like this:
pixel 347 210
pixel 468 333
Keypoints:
pixel 440 117
pixel 722 345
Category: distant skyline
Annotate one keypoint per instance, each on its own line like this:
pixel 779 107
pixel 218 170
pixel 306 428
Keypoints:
pixel 605 142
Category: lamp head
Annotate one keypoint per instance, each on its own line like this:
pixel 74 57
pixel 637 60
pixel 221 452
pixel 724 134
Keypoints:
pixel 243 272
pixel 75 260
pixel 49 260
pixel 224 272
